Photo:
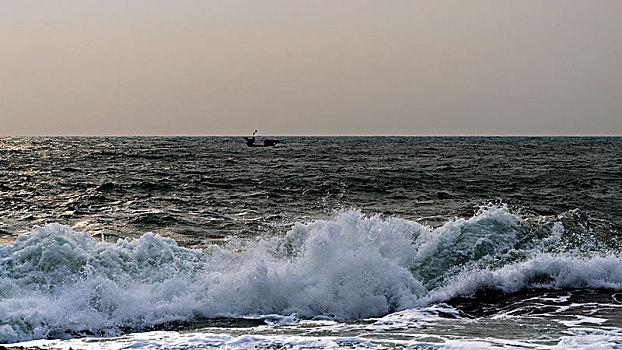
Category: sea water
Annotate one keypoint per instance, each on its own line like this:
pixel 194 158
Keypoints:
pixel 320 242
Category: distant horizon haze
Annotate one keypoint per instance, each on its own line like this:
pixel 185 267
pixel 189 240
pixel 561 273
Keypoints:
pixel 311 68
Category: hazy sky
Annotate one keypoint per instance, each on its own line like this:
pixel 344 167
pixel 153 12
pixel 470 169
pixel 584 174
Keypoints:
pixel 338 67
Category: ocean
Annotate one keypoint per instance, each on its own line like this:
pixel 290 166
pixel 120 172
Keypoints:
pixel 319 242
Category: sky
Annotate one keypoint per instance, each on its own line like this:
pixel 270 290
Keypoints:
pixel 314 67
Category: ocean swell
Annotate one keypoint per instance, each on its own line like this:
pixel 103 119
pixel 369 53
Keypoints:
pixel 56 282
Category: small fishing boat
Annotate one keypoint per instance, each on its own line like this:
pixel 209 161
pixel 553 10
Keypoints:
pixel 250 142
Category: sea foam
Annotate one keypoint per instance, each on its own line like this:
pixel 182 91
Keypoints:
pixel 56 282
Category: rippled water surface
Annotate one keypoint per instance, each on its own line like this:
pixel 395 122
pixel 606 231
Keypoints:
pixel 202 188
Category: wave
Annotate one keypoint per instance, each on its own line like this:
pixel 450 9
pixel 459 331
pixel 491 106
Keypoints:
pixel 58 283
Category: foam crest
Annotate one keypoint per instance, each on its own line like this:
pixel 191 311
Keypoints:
pixel 546 271
pixel 55 282
pixel 461 242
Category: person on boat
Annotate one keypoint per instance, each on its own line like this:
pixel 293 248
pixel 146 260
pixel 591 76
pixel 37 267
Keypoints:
pixel 250 141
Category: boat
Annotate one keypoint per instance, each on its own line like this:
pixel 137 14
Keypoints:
pixel 250 142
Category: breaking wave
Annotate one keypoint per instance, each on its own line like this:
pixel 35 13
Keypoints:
pixel 56 282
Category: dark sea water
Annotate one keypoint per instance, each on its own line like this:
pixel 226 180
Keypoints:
pixel 356 242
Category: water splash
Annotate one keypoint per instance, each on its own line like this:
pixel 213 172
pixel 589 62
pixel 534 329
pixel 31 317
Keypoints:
pixel 56 282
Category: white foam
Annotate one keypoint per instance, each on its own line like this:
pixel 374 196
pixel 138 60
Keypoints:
pixel 202 340
pixel 55 280
pixel 416 317
pixel 591 338
pixel 581 320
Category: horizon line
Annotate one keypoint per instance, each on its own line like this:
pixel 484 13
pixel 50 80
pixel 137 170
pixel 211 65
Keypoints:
pixel 315 135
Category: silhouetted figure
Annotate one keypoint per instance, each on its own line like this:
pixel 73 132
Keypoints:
pixel 250 141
